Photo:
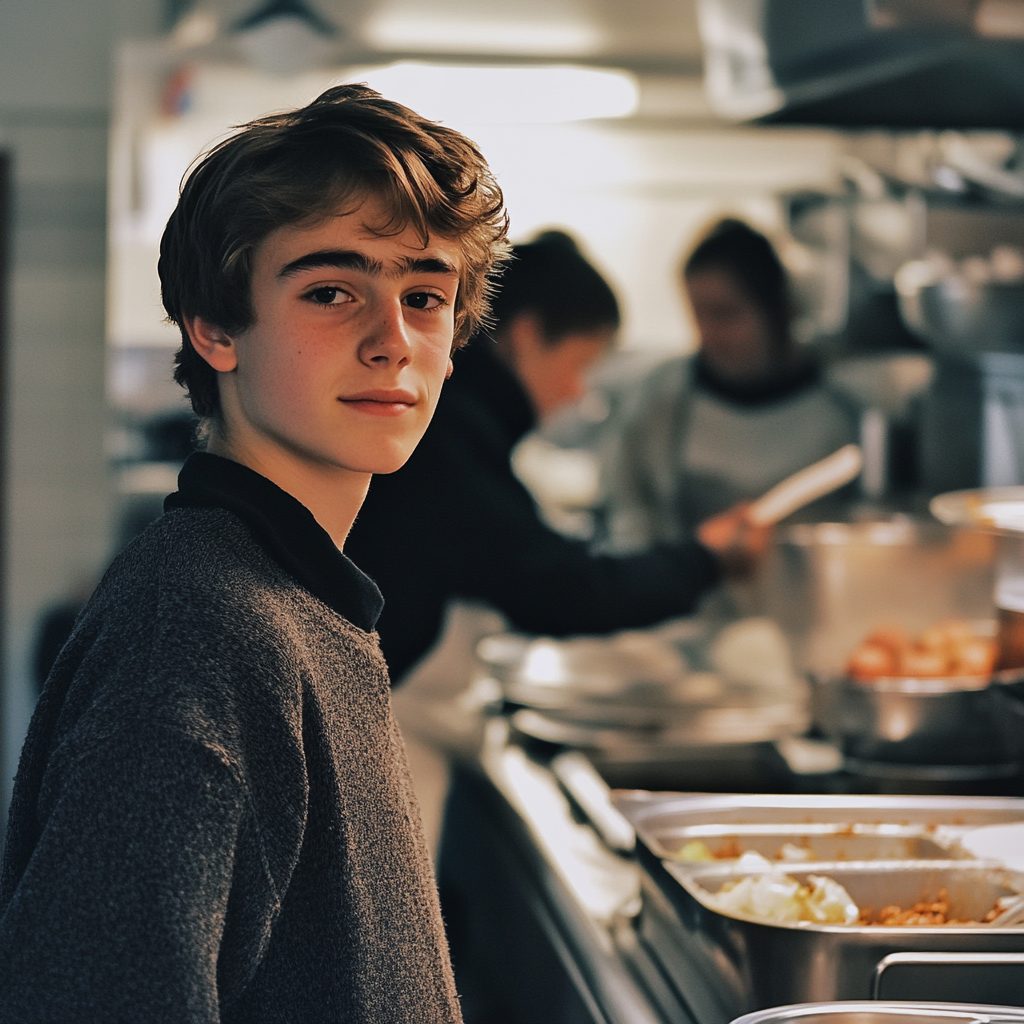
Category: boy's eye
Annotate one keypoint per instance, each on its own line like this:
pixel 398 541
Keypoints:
pixel 328 296
pixel 423 300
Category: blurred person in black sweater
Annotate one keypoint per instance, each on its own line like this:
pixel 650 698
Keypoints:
pixel 455 522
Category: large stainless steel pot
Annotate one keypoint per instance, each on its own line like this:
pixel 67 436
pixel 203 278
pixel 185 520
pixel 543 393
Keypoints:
pixel 831 584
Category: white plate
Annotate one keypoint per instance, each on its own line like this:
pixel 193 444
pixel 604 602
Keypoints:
pixel 997 842
pixel 993 508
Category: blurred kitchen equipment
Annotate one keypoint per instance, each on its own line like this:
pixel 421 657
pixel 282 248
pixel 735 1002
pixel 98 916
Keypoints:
pixel 992 508
pixel 883 850
pixel 285 37
pixel 807 485
pixel 895 63
pixel 884 1013
pixel 1000 511
pixel 971 313
pixel 951 731
pixel 973 428
pixel 695 702
pixel 883 387
pixel 829 585
pixel 966 309
pixel 934 260
pixel 593 797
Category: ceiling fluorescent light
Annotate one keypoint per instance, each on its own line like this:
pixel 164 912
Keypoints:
pixel 504 95
pixel 414 32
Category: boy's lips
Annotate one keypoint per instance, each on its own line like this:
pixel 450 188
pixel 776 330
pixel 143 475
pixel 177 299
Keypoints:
pixel 380 402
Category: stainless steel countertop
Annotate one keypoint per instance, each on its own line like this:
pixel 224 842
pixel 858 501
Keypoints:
pixel 594 892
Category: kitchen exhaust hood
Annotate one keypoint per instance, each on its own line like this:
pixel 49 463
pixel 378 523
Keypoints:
pixel 870 63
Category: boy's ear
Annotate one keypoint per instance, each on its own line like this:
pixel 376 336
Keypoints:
pixel 215 345
pixel 450 370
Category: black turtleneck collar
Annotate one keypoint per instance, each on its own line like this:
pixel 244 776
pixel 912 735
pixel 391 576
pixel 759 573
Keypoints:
pixel 778 388
pixel 285 528
pixel 482 375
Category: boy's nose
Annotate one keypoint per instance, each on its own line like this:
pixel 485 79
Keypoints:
pixel 387 341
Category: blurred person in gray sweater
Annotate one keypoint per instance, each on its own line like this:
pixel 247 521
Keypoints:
pixel 213 819
pixel 690 436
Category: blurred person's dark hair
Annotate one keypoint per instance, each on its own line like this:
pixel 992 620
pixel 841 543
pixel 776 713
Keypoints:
pixel 551 279
pixel 302 166
pixel 752 262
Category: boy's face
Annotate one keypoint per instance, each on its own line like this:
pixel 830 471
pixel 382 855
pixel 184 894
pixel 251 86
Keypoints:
pixel 351 342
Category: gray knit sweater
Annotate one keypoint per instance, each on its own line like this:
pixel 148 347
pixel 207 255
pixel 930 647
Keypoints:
pixel 213 818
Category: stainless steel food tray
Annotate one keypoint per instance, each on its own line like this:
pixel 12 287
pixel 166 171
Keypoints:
pixel 662 819
pixel 884 849
pixel 972 887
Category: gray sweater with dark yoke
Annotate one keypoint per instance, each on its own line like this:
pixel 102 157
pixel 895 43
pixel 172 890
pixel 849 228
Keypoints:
pixel 213 818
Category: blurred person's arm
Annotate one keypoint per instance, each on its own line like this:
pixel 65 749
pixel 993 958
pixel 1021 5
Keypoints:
pixel 457 523
pixel 738 543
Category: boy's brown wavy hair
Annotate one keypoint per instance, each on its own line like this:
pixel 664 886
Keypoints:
pixel 302 166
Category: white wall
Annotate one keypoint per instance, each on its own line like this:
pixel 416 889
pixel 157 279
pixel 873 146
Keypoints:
pixel 54 110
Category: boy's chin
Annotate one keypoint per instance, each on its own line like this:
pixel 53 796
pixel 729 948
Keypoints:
pixel 385 466
pixel 391 457
pixel 389 461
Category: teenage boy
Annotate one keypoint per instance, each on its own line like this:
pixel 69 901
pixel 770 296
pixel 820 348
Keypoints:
pixel 213 820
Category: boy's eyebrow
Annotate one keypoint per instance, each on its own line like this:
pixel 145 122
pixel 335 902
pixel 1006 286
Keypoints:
pixel 351 259
pixel 426 265
pixel 341 259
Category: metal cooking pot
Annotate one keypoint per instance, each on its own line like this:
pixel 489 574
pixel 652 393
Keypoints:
pixel 831 584
pixel 899 721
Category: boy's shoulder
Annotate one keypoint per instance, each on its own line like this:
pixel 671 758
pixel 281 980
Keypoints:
pixel 197 587
pixel 208 540
pixel 201 553
pixel 203 572
pixel 195 627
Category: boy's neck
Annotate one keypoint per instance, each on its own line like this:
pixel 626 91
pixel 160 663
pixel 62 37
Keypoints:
pixel 333 495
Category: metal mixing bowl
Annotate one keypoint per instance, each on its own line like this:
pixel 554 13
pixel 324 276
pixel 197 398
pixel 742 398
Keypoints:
pixel 960 317
pixel 950 722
